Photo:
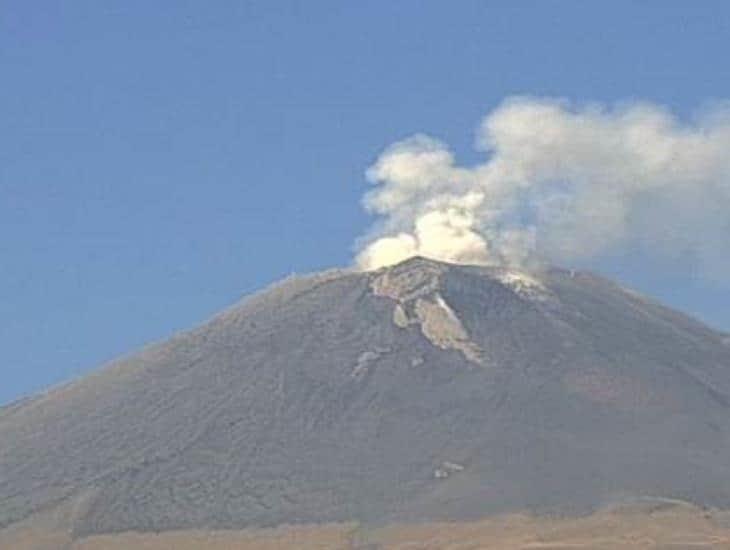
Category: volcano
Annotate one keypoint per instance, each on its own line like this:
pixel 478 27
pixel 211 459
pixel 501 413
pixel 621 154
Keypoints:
pixel 419 392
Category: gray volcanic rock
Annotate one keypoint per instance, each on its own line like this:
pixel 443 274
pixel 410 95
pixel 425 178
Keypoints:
pixel 421 391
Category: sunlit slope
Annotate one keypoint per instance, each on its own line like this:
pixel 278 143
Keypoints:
pixel 651 525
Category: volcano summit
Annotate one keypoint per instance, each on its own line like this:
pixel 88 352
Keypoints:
pixel 417 392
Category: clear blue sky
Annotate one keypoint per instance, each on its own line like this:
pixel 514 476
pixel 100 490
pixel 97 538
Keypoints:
pixel 158 160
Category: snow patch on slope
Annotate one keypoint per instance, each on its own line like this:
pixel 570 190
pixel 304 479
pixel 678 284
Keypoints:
pixel 443 328
pixel 415 289
pixel 523 284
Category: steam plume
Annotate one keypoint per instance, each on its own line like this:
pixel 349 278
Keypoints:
pixel 560 183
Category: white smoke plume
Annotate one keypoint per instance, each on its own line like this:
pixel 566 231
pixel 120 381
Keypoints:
pixel 560 183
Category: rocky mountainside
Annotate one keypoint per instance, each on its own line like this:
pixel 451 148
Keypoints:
pixel 423 391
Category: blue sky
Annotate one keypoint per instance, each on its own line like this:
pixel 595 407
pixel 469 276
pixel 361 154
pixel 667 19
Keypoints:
pixel 159 160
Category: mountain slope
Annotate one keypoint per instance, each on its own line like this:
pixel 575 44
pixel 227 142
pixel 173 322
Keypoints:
pixel 421 391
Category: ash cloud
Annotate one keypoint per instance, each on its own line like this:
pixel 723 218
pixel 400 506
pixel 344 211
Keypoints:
pixel 561 183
